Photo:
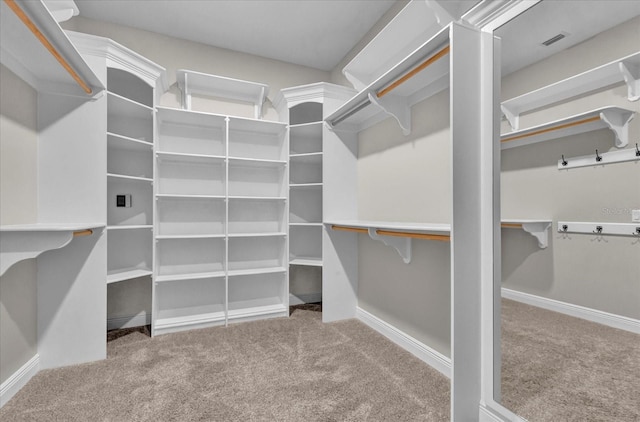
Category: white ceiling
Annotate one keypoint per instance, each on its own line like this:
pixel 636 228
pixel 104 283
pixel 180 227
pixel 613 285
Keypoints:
pixel 314 33
pixel 522 37
pixel 319 33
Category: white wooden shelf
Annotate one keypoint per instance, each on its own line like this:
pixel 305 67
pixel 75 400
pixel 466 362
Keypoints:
pixel 416 22
pixel 258 311
pixel 423 73
pixel 306 261
pixel 256 271
pixel 125 274
pixel 311 127
pixel 537 228
pixel 197 83
pixel 309 157
pixel 132 178
pixel 189 236
pixel 181 156
pixel 128 143
pixel 170 324
pixel 129 227
pixel 600 229
pixel 25 241
pixel 122 106
pixel 189 276
pixel 27 56
pixel 615 118
pixel 394 234
pixel 257 162
pixel 257 234
pixel 305 185
pixel 624 70
pixel 181 196
pixel 305 138
pixel 257 198
pixel 305 224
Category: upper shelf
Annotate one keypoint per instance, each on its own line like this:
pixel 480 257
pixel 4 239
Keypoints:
pixel 416 22
pixel 191 82
pixel 35 47
pixel 626 69
pixel 614 118
pixel 423 73
pixel 25 241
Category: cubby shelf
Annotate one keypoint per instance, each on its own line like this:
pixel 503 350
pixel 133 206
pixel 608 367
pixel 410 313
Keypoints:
pixel 305 185
pixel 236 169
pixel 307 157
pixel 115 276
pixel 423 73
pixel 305 224
pixel 256 311
pixel 617 71
pixel 615 118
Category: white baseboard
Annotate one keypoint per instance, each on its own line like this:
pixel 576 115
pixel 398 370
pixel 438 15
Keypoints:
pixel 129 321
pixel 423 352
pixel 299 299
pixel 19 379
pixel 601 317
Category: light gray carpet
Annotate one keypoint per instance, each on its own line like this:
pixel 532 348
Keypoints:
pixel 295 369
pixel 555 368
pixel 559 368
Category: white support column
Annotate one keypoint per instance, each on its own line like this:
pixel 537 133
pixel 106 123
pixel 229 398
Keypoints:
pixel 475 221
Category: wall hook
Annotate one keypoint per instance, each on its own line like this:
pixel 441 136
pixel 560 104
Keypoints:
pixel 637 232
pixel 564 162
pixel 598 230
pixel 598 158
pixel 637 150
pixel 565 228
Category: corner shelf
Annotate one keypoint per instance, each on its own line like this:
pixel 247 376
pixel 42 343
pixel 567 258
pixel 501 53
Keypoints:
pixel 116 276
pixel 26 56
pixel 536 228
pixel 25 241
pixel 615 118
pixel 420 75
pixel 191 82
pixel 624 70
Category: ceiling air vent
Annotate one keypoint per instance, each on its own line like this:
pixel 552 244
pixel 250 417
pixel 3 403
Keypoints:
pixel 554 39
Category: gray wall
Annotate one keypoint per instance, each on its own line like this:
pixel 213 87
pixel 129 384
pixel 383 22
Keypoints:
pixel 408 179
pixel 18 192
pixel 577 269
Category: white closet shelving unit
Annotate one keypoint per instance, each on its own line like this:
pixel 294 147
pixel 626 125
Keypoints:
pixel 304 108
pixel 130 140
pixel 440 61
pixel 221 213
pixel 126 121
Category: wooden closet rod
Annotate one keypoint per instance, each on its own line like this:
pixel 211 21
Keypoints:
pixel 551 129
pixel 87 232
pixel 414 72
pixel 423 236
pixel 45 42
pixel 512 225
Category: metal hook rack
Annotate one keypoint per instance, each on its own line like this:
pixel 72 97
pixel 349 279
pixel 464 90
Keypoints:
pixel 600 229
pixel 618 156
